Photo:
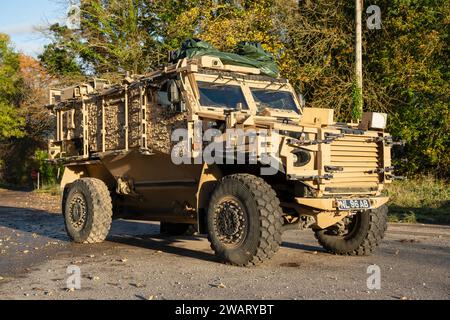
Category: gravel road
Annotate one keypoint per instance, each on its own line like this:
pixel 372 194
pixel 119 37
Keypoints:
pixel 138 263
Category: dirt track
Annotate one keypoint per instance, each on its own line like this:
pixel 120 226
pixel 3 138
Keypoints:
pixel 137 263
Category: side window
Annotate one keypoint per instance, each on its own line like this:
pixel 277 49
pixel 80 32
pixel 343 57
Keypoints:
pixel 169 96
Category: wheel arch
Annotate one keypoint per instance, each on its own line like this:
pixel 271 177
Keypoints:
pixel 87 170
pixel 210 176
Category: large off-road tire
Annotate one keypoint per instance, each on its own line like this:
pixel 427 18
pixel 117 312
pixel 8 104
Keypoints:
pixel 87 209
pixel 244 220
pixel 364 234
pixel 178 229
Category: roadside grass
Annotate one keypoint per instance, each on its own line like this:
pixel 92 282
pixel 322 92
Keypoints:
pixel 53 190
pixel 421 200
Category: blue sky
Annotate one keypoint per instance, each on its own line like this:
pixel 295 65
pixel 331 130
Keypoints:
pixel 19 18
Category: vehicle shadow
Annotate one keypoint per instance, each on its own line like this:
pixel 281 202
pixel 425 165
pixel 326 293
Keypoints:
pixel 147 236
pixel 164 244
pixel 34 223
pixel 303 247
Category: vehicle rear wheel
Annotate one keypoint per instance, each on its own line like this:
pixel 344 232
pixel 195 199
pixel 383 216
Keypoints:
pixel 178 229
pixel 87 209
pixel 244 220
pixel 358 235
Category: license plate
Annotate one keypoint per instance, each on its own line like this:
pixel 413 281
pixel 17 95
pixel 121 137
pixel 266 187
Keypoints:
pixel 354 204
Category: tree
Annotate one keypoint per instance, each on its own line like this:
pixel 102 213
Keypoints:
pixel 318 39
pixel 26 126
pixel 24 153
pixel 59 62
pixel 409 62
pixel 11 124
pixel 114 36
pixel 406 71
pixel 36 83
pixel 405 64
pixel 135 35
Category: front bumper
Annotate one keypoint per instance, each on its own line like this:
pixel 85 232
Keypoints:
pixel 325 212
pixel 330 204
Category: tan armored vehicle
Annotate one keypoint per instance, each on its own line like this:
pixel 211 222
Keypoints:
pixel 221 150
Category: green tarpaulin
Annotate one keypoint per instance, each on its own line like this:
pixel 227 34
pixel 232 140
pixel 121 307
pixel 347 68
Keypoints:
pixel 248 54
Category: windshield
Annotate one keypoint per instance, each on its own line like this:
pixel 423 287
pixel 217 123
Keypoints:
pixel 221 96
pixel 283 100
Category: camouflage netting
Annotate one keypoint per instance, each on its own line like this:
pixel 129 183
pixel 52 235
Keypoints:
pixel 161 121
pixel 247 54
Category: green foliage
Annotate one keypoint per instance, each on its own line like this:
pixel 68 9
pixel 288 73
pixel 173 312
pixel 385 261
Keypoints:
pixel 11 124
pixel 9 67
pixel 115 36
pixel 405 68
pixel 22 125
pixel 48 172
pixel 318 51
pixel 409 62
pixel 357 102
pixel 59 61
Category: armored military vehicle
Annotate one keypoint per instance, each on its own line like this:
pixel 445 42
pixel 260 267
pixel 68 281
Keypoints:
pixel 158 147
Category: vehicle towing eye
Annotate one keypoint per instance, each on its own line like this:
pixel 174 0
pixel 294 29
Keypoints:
pixel 332 169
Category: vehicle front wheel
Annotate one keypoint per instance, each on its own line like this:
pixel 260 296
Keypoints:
pixel 356 236
pixel 87 209
pixel 244 220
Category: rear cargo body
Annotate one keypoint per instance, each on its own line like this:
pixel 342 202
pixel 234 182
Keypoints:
pixel 114 119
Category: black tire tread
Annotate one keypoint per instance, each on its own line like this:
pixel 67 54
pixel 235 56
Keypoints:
pixel 271 220
pixel 377 228
pixel 101 207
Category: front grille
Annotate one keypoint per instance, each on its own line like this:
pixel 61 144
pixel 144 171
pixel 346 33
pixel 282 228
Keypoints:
pixel 359 159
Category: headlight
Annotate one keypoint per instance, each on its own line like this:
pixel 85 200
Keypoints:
pixel 301 158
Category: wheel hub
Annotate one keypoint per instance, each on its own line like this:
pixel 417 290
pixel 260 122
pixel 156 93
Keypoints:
pixel 78 212
pixel 230 222
pixel 345 228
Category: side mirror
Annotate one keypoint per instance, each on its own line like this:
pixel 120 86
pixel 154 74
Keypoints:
pixel 302 100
